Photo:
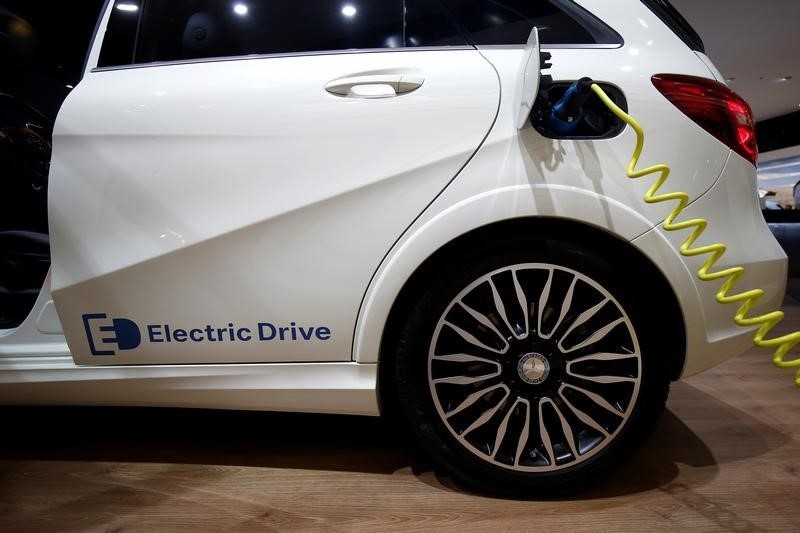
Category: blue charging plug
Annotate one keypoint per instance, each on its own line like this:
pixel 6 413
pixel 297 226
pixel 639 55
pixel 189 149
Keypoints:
pixel 566 114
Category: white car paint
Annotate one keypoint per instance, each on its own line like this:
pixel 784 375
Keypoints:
pixel 256 175
pixel 161 211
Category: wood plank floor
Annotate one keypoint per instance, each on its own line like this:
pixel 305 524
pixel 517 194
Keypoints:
pixel 725 457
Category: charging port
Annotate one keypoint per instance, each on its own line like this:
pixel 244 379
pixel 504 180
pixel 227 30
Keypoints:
pixel 595 120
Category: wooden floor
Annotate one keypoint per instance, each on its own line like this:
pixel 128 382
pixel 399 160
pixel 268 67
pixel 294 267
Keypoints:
pixel 725 457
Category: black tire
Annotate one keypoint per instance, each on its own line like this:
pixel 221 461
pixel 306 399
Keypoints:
pixel 434 428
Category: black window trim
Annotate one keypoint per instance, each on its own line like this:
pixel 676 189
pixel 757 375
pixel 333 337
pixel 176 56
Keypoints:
pixel 590 22
pixel 572 9
pixel 142 9
pixel 673 19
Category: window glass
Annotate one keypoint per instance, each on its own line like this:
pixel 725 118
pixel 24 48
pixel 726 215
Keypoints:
pixel 492 22
pixel 120 34
pixel 188 29
pixel 427 24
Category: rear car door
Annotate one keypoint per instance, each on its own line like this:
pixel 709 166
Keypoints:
pixel 227 176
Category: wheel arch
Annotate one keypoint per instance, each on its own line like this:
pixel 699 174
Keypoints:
pixel 590 236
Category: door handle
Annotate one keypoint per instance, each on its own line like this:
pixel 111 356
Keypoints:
pixel 371 90
pixel 374 85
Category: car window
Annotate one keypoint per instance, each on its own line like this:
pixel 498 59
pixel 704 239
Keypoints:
pixel 428 24
pixel 498 22
pixel 170 30
pixel 189 29
pixel 120 35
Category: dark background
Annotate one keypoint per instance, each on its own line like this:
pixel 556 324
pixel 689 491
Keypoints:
pixel 43 46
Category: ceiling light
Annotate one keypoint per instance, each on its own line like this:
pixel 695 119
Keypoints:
pixel 783 78
pixel 240 9
pixel 348 11
pixel 127 7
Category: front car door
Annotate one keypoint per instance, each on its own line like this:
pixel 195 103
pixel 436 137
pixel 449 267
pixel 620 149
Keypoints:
pixel 227 176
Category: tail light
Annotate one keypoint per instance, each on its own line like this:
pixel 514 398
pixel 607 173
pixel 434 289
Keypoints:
pixel 715 108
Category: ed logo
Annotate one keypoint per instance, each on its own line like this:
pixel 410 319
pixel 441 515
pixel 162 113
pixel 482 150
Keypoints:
pixel 102 332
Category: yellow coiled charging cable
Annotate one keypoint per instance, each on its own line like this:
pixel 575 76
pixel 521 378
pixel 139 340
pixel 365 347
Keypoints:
pixel 749 298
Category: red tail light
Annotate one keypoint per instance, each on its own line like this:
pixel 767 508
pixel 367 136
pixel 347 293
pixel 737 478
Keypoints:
pixel 715 108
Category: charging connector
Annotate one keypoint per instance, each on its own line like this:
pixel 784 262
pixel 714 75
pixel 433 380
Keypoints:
pixel 566 114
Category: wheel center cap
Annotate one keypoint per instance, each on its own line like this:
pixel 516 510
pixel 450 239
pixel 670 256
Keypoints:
pixel 533 368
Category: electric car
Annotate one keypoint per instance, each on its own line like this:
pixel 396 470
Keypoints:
pixel 407 207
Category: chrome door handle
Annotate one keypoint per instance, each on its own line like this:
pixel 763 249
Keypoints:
pixel 374 85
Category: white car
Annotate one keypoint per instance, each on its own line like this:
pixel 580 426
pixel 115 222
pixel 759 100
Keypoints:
pixel 353 206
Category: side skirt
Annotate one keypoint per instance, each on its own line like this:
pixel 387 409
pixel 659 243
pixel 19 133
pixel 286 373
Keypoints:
pixel 336 388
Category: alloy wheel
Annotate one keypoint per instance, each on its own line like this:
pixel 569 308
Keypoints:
pixel 534 367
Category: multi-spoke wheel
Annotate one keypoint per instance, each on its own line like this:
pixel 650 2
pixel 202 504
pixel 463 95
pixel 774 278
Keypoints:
pixel 530 373
pixel 534 367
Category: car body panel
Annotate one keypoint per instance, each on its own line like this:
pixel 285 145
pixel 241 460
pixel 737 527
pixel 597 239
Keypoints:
pixel 186 205
pixel 337 388
pixel 525 175
pixel 738 223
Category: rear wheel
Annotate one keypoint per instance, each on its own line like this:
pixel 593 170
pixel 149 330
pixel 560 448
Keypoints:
pixel 529 369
